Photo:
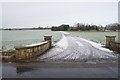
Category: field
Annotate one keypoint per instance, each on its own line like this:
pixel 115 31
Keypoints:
pixel 24 37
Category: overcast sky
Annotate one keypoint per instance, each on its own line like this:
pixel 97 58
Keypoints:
pixel 57 13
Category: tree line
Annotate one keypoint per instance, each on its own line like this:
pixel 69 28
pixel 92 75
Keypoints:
pixel 113 27
pixel 86 27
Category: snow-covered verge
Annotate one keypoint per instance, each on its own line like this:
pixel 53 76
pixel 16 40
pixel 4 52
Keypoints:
pixel 63 43
pixel 97 45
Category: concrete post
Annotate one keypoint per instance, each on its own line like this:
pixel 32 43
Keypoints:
pixel 48 38
pixel 108 40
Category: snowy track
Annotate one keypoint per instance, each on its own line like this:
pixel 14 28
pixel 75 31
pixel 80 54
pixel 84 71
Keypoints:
pixel 75 48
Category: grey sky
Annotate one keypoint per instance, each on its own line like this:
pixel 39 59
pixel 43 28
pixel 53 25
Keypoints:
pixel 57 13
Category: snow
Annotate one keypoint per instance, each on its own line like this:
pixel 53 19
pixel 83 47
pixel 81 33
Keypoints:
pixel 63 43
pixel 76 48
pixel 59 49
pixel 80 44
pixel 96 45
pixel 60 46
pixel 63 32
pixel 36 44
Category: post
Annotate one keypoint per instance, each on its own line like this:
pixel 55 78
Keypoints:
pixel 48 38
pixel 108 40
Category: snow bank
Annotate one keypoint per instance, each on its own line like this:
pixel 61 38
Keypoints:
pixel 63 43
pixel 96 45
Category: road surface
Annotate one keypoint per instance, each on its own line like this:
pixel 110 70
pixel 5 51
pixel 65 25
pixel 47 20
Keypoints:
pixel 72 48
